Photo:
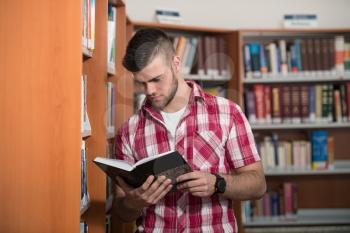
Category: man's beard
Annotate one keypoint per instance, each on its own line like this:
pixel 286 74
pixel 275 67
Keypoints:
pixel 171 95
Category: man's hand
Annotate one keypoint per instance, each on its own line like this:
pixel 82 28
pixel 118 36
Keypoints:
pixel 200 184
pixel 149 193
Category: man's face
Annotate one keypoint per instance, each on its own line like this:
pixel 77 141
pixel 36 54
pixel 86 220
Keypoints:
pixel 158 82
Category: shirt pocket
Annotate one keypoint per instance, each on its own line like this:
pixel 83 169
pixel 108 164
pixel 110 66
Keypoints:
pixel 207 151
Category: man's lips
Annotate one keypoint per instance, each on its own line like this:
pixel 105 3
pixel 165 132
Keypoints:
pixel 155 98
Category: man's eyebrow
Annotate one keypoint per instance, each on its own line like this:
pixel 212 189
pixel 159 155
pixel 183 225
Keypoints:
pixel 151 80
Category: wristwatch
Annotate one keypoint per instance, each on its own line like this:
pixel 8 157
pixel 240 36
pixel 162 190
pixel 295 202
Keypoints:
pixel 220 184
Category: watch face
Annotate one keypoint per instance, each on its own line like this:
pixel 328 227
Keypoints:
pixel 221 185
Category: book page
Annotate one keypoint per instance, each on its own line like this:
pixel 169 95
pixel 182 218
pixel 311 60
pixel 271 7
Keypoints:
pixel 115 163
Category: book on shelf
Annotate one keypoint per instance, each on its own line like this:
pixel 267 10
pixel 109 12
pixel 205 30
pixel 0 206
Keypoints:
pixel 111 32
pixel 84 194
pixel 83 227
pixel 88 27
pixel 319 141
pixel 170 164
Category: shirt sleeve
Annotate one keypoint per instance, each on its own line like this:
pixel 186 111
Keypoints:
pixel 240 146
pixel 122 145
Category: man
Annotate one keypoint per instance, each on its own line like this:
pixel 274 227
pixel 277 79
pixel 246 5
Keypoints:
pixel 211 133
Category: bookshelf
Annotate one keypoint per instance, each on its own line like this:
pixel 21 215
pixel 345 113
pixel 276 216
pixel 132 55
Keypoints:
pixel 108 105
pixel 321 194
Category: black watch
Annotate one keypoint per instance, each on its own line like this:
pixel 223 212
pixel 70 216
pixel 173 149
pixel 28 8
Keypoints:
pixel 220 184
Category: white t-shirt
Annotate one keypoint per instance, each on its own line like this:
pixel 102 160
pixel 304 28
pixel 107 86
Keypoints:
pixel 171 120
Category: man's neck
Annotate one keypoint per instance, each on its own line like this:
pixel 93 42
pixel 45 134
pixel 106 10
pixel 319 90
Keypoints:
pixel 180 99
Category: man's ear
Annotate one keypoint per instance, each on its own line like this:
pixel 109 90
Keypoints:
pixel 176 64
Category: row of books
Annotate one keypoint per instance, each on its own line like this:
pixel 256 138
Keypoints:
pixel 297 55
pixel 88 27
pixel 297 103
pixel 203 55
pixel 297 155
pixel 84 195
pixel 279 204
pixel 111 34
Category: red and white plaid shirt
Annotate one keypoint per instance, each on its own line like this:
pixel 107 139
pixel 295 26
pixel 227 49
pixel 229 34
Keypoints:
pixel 213 135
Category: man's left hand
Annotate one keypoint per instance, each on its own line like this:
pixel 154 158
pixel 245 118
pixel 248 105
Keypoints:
pixel 198 183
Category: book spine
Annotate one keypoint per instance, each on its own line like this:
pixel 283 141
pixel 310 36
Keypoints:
pixel 276 105
pixel 247 61
pixel 295 96
pixel 267 97
pixel 250 106
pixel 319 141
pixel 312 103
pixel 344 109
pixel 286 104
pixel 304 102
pixel 330 153
pixel 259 103
pixel 339 53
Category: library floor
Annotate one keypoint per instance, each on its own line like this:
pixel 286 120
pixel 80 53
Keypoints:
pixel 300 229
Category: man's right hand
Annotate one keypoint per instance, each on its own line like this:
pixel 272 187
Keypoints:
pixel 149 193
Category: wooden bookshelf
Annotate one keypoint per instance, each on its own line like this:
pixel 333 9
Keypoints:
pixel 98 75
pixel 321 194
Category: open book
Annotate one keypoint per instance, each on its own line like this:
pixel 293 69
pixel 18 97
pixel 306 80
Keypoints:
pixel 170 164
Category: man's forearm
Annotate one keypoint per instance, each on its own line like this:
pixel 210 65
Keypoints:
pixel 124 212
pixel 247 185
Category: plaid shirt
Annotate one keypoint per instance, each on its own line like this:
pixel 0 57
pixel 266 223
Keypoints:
pixel 213 135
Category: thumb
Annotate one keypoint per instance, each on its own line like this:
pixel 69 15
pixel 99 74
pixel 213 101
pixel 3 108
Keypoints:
pixel 122 184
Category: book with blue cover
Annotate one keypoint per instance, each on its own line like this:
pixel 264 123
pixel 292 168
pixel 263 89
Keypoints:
pixel 319 142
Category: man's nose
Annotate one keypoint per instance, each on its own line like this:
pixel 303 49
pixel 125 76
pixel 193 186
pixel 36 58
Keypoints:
pixel 150 88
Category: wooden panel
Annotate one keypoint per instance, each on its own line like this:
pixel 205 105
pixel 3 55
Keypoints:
pixel 40 67
pixel 124 83
pixel 234 88
pixel 96 70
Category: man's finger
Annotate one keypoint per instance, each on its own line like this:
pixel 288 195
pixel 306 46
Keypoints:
pixel 188 176
pixel 144 187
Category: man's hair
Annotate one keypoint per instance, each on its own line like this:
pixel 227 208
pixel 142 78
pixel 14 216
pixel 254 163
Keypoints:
pixel 144 46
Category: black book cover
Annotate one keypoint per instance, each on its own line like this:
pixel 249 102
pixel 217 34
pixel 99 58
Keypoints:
pixel 171 164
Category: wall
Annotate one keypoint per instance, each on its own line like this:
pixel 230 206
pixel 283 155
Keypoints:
pixel 244 13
